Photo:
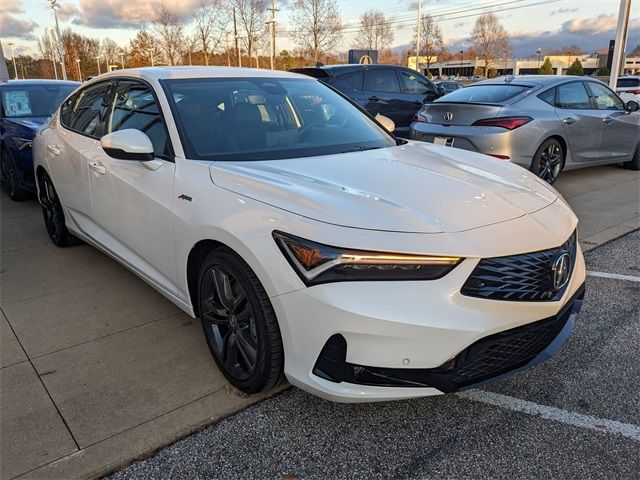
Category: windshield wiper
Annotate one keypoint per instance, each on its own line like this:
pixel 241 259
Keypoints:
pixel 359 148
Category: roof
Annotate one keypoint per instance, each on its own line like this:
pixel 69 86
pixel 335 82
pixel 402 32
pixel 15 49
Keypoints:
pixel 163 73
pixel 18 83
pixel 345 68
pixel 541 80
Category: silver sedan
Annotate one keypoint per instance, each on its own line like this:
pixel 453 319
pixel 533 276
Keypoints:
pixel 543 123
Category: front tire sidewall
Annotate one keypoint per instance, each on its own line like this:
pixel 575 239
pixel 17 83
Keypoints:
pixel 535 163
pixel 269 359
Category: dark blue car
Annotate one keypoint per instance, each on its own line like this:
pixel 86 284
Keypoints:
pixel 24 106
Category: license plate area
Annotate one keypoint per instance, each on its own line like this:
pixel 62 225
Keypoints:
pixel 446 141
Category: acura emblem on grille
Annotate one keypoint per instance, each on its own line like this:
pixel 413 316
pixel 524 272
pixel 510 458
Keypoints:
pixel 560 270
pixel 448 116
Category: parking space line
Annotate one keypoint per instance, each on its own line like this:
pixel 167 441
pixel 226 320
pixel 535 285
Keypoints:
pixel 614 276
pixel 553 413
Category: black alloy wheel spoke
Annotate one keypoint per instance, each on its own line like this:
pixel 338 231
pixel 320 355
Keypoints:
pixel 247 350
pixel 214 313
pixel 222 285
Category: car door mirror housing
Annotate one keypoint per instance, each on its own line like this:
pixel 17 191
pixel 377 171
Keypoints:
pixel 128 144
pixel 386 122
pixel 632 106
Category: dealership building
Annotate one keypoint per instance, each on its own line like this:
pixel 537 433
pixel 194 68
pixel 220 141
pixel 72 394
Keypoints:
pixel 514 66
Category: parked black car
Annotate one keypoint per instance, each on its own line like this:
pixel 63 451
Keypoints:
pixel 393 91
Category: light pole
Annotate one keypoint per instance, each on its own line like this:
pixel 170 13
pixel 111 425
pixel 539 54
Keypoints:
pixel 98 63
pixel 418 27
pixel 151 53
pixel 121 55
pixel 539 51
pixel 54 5
pixel 461 60
pixel 79 70
pixel 13 58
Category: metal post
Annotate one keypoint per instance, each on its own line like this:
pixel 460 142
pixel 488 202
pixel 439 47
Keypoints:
pixel 461 61
pixel 98 63
pixel 59 37
pixel 418 27
pixel 79 70
pixel 272 28
pixel 539 51
pixel 235 34
pixel 121 59
pixel 13 59
pixel 621 42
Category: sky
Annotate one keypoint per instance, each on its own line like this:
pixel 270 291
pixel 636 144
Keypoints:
pixel 531 24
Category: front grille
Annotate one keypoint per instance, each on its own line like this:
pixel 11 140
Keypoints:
pixel 524 277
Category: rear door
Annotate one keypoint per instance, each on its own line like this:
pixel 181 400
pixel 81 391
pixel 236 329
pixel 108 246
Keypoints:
pixel 581 120
pixel 418 89
pixel 384 96
pixel 620 130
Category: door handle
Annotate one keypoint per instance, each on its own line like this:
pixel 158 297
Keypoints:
pixel 373 99
pixel 568 121
pixel 607 120
pixel 53 149
pixel 97 167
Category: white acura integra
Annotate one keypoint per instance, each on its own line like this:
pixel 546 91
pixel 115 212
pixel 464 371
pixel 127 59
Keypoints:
pixel 312 243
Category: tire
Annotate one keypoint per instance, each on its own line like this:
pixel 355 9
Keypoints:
pixel 239 323
pixel 54 215
pixel 10 178
pixel 548 160
pixel 634 163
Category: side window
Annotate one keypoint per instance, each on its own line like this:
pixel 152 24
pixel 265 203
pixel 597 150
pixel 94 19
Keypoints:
pixel 604 98
pixel 573 96
pixel 66 110
pixel 413 83
pixel 88 110
pixel 134 106
pixel 548 96
pixel 349 83
pixel 381 80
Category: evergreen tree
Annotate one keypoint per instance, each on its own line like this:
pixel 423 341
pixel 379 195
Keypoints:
pixel 576 68
pixel 546 68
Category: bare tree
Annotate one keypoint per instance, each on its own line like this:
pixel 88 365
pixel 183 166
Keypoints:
pixel 209 22
pixel 251 18
pixel 110 50
pixel 169 32
pixel 431 42
pixel 375 31
pixel 317 26
pixel 489 38
pixel 141 49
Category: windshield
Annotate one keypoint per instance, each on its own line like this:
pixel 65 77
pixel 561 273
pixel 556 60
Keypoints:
pixel 33 100
pixel 490 93
pixel 268 119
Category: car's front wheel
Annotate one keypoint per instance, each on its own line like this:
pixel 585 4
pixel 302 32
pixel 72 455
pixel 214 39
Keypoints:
pixel 53 214
pixel 548 160
pixel 239 323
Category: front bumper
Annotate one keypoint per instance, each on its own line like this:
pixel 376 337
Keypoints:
pixel 412 339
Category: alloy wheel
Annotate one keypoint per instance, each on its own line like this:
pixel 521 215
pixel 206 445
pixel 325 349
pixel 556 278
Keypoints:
pixel 229 322
pixel 51 209
pixel 550 163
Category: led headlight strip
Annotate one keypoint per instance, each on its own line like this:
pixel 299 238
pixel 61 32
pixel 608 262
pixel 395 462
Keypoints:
pixel 318 263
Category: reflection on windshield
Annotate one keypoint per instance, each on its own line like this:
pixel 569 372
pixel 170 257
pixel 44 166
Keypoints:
pixel 266 118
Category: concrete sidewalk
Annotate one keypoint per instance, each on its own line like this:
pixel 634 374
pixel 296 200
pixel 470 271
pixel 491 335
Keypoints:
pixel 98 369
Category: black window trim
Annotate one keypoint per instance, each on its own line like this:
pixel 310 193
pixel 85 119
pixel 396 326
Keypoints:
pixel 112 85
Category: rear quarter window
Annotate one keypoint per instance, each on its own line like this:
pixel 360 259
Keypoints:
pixel 485 93
pixel 548 96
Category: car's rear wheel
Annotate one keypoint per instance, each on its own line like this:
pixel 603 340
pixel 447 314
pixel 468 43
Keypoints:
pixel 239 323
pixel 53 214
pixel 548 160
pixel 10 178
pixel 634 163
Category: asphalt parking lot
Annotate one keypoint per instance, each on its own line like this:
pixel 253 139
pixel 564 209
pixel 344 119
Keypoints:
pixel 575 416
pixel 97 370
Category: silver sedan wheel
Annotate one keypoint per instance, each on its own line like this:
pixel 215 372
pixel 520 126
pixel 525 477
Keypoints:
pixel 550 162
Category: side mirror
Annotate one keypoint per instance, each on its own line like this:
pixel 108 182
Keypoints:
pixel 386 122
pixel 128 144
pixel 632 106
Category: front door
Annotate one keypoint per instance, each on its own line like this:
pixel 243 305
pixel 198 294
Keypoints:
pixel 419 90
pixel 581 120
pixel 620 130
pixel 384 96
pixel 132 200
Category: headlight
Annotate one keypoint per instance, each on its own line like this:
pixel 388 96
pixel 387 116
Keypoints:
pixel 317 263
pixel 22 143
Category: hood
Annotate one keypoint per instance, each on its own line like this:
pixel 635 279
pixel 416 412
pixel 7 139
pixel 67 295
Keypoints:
pixel 32 123
pixel 416 187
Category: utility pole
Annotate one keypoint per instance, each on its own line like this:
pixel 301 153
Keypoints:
pixel 621 43
pixel 235 35
pixel 59 37
pixel 272 28
pixel 121 54
pixel 418 35
pixel 52 42
pixel 13 59
pixel 79 70
pixel 4 74
pixel 226 34
pixel 98 62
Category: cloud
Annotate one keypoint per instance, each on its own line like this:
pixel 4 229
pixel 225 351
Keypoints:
pixel 560 11
pixel 68 11
pixel 590 26
pixel 13 27
pixel 10 6
pixel 127 13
